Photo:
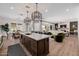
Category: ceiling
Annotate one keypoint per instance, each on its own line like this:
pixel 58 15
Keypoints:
pixel 48 10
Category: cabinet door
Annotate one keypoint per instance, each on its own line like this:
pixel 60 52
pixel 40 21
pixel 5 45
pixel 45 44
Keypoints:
pixel 40 49
pixel 46 51
pixel 33 47
pixel 27 43
pixel 23 39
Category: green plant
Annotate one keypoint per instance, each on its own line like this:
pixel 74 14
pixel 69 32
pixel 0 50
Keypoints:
pixel 5 28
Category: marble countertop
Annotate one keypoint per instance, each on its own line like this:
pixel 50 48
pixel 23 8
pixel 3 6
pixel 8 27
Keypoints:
pixel 37 36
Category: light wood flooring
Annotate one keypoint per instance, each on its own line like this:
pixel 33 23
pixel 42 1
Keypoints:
pixel 69 47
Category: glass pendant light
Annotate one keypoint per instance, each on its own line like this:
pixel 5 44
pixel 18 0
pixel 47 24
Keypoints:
pixel 27 19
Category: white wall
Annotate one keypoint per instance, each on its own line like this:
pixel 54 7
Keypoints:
pixel 36 26
pixel 77 15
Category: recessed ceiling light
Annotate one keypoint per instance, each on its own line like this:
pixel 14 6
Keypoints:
pixel 11 7
pixel 67 10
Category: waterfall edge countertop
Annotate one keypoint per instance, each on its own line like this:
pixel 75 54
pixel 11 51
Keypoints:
pixel 36 36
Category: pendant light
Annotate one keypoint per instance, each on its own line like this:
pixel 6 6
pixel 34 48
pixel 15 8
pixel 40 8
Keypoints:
pixel 36 15
pixel 27 19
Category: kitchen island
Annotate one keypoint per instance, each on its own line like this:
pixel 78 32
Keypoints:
pixel 36 44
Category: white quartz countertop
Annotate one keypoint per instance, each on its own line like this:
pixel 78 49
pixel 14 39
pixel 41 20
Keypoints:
pixel 37 36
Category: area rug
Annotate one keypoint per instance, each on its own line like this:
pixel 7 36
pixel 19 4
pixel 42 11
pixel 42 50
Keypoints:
pixel 15 50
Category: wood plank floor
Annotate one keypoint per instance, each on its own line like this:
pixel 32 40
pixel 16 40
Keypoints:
pixel 69 47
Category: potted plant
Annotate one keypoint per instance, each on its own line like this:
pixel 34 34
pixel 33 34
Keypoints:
pixel 5 28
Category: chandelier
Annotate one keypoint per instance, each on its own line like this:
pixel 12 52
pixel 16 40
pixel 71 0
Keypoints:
pixel 36 15
pixel 27 20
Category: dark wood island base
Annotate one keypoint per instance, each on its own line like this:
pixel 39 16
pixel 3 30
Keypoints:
pixel 36 44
